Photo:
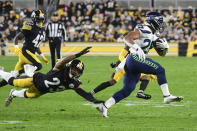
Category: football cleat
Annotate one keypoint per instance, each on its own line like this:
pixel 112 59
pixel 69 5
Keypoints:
pixel 8 101
pixel 29 70
pixel 169 99
pixel 103 109
pixel 143 96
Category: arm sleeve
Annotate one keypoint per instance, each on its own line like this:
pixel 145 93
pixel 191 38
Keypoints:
pixel 85 95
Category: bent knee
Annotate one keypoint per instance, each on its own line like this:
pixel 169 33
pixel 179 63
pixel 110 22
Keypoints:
pixel 39 66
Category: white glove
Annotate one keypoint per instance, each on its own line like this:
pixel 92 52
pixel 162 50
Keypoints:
pixel 162 43
pixel 138 51
pixel 121 66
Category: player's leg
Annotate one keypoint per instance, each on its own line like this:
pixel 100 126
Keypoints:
pixel 52 52
pixel 30 58
pixel 114 79
pixel 24 82
pixel 149 66
pixel 129 85
pixel 143 85
pixel 18 67
pixel 58 49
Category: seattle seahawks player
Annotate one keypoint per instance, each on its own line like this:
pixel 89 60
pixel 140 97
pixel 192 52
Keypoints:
pixel 140 41
pixel 33 33
pixel 65 75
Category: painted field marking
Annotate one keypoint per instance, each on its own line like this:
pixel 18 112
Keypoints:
pixel 10 122
pixel 145 103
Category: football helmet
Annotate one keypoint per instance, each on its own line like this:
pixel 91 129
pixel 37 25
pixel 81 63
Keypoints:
pixel 76 69
pixel 156 21
pixel 38 18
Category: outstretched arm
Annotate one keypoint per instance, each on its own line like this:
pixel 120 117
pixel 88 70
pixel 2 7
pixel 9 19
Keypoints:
pixel 67 59
pixel 87 96
pixel 19 36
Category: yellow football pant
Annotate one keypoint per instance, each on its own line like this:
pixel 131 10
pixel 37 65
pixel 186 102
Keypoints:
pixel 32 91
pixel 118 75
pixel 24 60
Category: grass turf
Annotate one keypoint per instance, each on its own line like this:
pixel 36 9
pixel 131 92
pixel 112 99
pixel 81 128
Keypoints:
pixel 67 111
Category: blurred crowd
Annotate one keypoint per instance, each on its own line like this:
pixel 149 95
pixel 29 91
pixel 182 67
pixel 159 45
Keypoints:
pixel 103 21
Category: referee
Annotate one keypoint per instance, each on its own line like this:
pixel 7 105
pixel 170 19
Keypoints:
pixel 54 32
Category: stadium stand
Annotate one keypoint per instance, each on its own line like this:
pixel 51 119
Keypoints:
pixel 104 21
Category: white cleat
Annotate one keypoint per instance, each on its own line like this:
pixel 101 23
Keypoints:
pixel 101 108
pixel 8 101
pixel 169 99
pixel 29 70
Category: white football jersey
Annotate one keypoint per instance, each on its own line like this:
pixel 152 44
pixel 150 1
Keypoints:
pixel 146 38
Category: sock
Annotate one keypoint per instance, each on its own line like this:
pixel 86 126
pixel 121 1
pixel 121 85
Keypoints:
pixel 143 85
pixel 20 93
pixel 5 75
pixel 164 88
pixel 3 83
pixel 21 71
pixel 100 87
pixel 110 102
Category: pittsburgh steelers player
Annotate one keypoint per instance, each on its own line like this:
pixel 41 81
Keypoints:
pixel 135 63
pixel 65 75
pixel 33 33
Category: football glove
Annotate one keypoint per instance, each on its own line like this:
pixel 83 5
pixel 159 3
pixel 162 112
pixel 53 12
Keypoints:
pixel 136 49
pixel 44 59
pixel 84 51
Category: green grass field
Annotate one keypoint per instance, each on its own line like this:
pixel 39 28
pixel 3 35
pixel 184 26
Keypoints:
pixel 66 111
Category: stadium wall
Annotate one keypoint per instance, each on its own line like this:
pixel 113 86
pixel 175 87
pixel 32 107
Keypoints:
pixel 98 48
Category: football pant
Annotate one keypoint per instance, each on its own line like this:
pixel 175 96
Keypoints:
pixel 32 91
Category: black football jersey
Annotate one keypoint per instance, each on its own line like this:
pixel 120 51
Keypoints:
pixel 33 36
pixel 55 81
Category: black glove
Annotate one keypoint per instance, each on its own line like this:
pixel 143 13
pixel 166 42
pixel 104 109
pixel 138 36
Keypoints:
pixel 84 51
pixel 113 65
pixel 98 101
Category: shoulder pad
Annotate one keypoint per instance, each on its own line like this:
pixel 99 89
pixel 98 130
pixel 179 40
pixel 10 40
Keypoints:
pixel 27 24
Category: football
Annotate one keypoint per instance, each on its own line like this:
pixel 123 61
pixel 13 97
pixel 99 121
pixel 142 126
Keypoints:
pixel 161 46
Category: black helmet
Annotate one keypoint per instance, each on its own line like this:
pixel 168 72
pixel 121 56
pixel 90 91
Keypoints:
pixel 76 65
pixel 38 17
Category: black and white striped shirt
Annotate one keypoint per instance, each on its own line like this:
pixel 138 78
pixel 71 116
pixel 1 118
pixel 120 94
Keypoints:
pixel 55 29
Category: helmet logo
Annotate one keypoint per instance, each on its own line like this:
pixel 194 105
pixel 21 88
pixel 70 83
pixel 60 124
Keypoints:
pixel 80 65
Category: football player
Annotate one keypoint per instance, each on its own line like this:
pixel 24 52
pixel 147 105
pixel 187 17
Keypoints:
pixel 33 33
pixel 117 75
pixel 139 42
pixel 65 75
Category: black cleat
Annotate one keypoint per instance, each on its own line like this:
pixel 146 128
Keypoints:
pixel 143 96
